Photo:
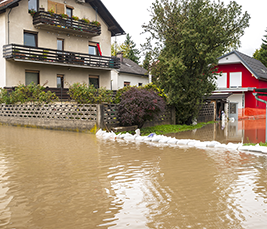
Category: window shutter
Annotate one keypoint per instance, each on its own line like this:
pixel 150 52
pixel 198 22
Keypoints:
pixel 57 7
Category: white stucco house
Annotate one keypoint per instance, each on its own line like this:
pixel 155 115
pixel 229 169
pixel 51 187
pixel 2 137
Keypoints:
pixel 128 74
pixel 56 43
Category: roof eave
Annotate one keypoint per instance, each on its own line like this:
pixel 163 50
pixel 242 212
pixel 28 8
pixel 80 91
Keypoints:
pixel 113 25
pixel 9 5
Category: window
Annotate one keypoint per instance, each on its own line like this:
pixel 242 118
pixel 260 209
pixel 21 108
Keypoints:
pixel 92 49
pixel 30 39
pixel 60 81
pixel 60 44
pixel 94 80
pixel 222 81
pixel 235 79
pixel 31 76
pixel 33 5
pixel 126 84
pixel 69 11
pixel 140 84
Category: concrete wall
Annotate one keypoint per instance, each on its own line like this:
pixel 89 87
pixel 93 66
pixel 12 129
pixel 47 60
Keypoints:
pixel 21 20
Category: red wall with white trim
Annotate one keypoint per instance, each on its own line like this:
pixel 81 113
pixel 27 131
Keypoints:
pixel 248 80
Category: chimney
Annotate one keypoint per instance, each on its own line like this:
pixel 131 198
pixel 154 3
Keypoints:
pixel 120 55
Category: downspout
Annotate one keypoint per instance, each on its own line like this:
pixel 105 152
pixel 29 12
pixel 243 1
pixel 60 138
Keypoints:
pixel 263 101
pixel 96 13
pixel 8 25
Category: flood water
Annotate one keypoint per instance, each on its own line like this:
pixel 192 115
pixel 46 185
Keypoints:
pixel 65 180
pixel 246 131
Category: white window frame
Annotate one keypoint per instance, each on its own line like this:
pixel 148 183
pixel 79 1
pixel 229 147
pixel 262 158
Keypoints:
pixel 235 79
pixel 222 80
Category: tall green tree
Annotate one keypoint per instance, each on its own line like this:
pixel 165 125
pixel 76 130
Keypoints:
pixel 147 61
pixel 261 54
pixel 128 49
pixel 190 35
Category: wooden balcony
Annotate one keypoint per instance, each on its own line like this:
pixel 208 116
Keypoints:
pixel 55 57
pixel 55 22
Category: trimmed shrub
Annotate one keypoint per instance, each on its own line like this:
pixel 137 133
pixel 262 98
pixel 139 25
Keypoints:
pixel 30 93
pixel 85 94
pixel 139 105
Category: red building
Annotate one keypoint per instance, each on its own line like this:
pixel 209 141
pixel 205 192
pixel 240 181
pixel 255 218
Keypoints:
pixel 240 75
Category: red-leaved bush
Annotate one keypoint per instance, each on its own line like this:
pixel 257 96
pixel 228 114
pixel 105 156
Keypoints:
pixel 139 105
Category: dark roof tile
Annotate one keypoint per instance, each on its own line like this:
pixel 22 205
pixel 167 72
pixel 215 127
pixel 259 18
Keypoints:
pixel 255 66
pixel 128 66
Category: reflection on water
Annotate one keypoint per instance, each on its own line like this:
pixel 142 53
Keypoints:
pixel 53 179
pixel 246 131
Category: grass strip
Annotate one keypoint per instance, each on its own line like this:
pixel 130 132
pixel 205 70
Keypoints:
pixel 253 144
pixel 170 129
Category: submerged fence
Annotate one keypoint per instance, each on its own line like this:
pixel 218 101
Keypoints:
pixel 71 116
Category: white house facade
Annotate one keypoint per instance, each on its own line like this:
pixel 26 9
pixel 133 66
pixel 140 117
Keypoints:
pixel 56 43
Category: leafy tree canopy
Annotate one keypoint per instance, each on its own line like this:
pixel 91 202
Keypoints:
pixel 189 36
pixel 128 49
pixel 261 54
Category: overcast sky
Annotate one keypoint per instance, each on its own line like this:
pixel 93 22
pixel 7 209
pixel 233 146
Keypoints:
pixel 132 14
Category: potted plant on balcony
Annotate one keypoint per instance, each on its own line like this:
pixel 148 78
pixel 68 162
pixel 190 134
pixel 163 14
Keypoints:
pixel 32 12
pixel 96 23
pixel 85 20
pixel 51 11
pixel 64 16
pixel 17 54
pixel 75 18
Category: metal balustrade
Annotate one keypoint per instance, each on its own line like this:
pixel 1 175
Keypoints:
pixel 51 21
pixel 56 57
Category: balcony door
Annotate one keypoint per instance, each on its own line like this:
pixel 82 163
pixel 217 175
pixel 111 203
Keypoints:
pixel 60 81
pixel 60 47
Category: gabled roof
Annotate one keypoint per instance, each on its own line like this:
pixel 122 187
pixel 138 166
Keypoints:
pixel 254 66
pixel 112 24
pixel 130 67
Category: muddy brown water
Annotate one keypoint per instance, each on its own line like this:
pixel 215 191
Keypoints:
pixel 65 180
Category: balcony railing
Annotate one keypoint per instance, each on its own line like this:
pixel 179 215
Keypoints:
pixel 56 57
pixel 56 22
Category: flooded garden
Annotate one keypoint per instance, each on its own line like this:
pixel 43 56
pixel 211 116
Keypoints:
pixel 58 179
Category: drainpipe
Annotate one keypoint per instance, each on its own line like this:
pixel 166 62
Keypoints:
pixel 96 13
pixel 263 101
pixel 8 26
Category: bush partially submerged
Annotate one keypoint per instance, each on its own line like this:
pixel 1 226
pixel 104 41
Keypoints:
pixel 27 93
pixel 139 105
pixel 85 94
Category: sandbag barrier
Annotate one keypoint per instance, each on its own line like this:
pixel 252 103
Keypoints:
pixel 161 140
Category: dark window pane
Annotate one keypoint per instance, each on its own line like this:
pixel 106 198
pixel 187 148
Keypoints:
pixel 30 39
pixel 69 12
pixel 94 81
pixel 33 5
pixel 31 77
